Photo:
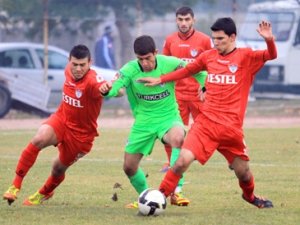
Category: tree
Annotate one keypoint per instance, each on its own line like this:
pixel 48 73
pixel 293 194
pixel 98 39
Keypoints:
pixel 73 16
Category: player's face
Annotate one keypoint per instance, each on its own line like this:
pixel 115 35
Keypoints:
pixel 185 23
pixel 148 61
pixel 79 67
pixel 222 42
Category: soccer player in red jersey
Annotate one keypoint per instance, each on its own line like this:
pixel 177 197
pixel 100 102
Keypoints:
pixel 231 72
pixel 72 128
pixel 186 44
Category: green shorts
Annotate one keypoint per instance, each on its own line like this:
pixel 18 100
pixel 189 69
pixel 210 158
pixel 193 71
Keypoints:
pixel 143 136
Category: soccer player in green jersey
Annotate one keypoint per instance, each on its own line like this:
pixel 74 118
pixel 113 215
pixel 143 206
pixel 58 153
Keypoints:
pixel 154 108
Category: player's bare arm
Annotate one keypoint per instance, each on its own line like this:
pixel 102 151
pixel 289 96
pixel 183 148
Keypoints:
pixel 265 30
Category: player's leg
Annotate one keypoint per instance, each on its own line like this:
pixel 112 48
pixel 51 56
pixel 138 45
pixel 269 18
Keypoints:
pixel 246 182
pixel 134 173
pixel 44 137
pixel 175 137
pixel 184 114
pixel 70 151
pixel 233 146
pixel 47 190
pixel 166 165
pixel 140 143
pixel 197 146
pixel 172 177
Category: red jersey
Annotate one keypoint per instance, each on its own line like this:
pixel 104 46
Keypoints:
pixel 228 82
pixel 187 49
pixel 81 104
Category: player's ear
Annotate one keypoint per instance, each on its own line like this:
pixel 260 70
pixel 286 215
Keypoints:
pixel 90 62
pixel 232 37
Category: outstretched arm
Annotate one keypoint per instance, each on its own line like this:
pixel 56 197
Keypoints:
pixel 181 73
pixel 265 30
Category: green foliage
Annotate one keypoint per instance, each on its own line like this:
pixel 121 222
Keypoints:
pixel 85 195
pixel 87 14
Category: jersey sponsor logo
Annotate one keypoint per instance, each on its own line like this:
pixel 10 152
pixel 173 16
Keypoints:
pixel 221 79
pixel 78 93
pixel 154 97
pixel 194 52
pixel 71 101
pixel 233 68
pixel 183 45
pixel 225 62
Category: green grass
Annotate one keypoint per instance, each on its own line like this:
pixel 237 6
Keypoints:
pixel 85 195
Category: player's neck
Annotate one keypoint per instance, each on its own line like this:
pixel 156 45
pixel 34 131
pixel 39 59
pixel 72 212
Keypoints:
pixel 185 36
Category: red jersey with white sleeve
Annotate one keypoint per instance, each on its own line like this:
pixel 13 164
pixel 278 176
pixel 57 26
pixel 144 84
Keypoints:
pixel 228 82
pixel 81 104
pixel 187 48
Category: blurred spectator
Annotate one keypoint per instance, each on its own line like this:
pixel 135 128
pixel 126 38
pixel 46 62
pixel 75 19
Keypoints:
pixel 104 50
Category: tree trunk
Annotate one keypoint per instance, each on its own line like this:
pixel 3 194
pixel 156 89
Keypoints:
pixel 123 26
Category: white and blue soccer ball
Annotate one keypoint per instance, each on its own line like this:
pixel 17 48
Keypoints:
pixel 152 202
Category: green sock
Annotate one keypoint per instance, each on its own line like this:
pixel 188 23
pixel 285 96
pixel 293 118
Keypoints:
pixel 174 157
pixel 139 181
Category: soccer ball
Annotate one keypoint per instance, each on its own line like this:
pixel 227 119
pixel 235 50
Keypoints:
pixel 152 202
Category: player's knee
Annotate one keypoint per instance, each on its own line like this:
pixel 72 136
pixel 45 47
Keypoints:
pixel 39 141
pixel 243 174
pixel 177 141
pixel 129 170
pixel 58 168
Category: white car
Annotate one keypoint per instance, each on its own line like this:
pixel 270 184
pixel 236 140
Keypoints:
pixel 22 77
pixel 26 59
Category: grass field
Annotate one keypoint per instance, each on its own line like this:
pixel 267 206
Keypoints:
pixel 85 195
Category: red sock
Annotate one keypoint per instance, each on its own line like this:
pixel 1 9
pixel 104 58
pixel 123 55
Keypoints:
pixel 25 162
pixel 169 183
pixel 248 189
pixel 168 150
pixel 51 183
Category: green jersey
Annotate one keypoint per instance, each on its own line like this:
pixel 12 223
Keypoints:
pixel 149 104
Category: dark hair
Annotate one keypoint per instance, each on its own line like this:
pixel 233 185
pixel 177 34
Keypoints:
pixel 184 10
pixel 108 29
pixel 143 45
pixel 80 52
pixel 225 24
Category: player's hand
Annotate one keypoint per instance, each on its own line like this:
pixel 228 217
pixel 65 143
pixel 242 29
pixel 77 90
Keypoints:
pixel 202 93
pixel 265 30
pixel 105 88
pixel 149 81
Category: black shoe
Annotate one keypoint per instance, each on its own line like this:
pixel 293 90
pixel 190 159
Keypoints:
pixel 260 202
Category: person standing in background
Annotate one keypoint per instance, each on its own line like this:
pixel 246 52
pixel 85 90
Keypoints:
pixel 186 44
pixel 104 50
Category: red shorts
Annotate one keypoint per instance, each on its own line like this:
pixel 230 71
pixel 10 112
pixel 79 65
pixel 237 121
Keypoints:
pixel 188 107
pixel 206 136
pixel 70 149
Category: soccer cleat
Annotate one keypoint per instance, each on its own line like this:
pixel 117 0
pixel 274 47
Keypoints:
pixel 133 205
pixel 165 167
pixel 179 199
pixel 11 194
pixel 260 202
pixel 37 199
